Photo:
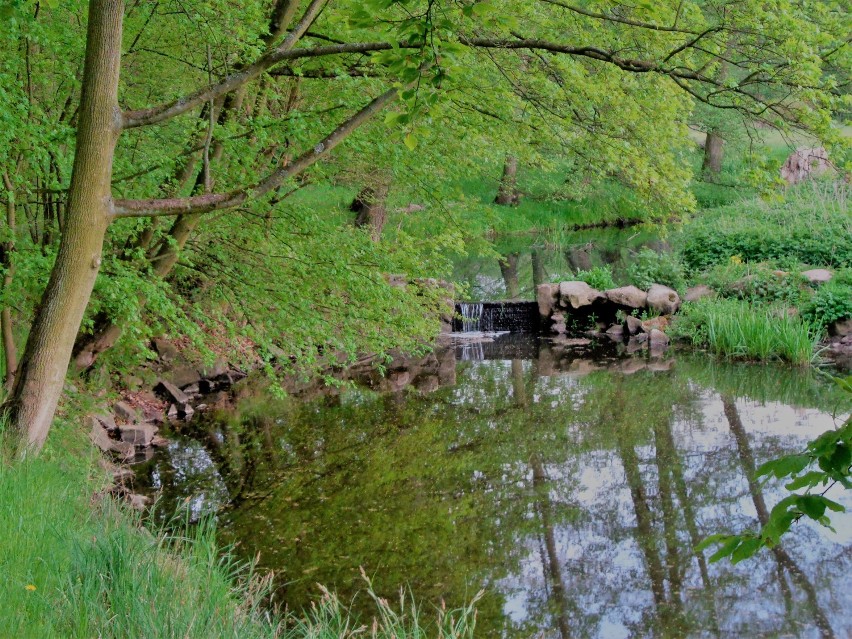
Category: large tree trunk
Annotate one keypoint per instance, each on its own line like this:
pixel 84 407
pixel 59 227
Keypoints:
pixel 370 207
pixel 713 154
pixel 507 194
pixel 41 374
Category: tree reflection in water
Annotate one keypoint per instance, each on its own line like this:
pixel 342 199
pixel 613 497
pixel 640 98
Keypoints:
pixel 573 492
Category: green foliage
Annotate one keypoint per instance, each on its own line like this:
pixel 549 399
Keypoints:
pixel 652 267
pixel 736 329
pixel 757 283
pixel 825 462
pixel 599 277
pixel 812 225
pixel 831 302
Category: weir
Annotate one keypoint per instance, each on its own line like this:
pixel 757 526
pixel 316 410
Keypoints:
pixel 515 317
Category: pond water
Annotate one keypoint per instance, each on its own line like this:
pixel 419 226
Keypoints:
pixel 570 482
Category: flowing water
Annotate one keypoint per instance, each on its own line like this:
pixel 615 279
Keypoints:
pixel 568 482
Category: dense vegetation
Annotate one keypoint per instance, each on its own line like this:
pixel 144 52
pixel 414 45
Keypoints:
pixel 287 183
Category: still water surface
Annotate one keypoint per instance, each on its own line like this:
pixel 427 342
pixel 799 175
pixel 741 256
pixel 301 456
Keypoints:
pixel 570 483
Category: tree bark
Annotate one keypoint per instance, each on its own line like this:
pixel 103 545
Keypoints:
pixel 370 207
pixel 713 154
pixel 507 194
pixel 41 375
pixel 9 349
pixel 509 270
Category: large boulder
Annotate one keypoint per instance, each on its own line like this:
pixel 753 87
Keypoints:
pixel 633 324
pixel 804 164
pixel 140 434
pixel 698 292
pixel 628 296
pixel 578 294
pixel 547 296
pixel 817 275
pixel 841 328
pixel 663 299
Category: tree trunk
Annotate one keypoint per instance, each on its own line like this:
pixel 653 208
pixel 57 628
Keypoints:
pixel 507 194
pixel 509 270
pixel 713 154
pixel 539 274
pixel 370 207
pixel 9 349
pixel 42 370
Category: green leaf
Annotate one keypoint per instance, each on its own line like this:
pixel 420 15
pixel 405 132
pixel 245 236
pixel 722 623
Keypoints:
pixel 410 141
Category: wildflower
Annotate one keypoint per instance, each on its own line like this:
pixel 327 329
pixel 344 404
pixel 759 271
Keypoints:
pixel 736 259
pixel 29 587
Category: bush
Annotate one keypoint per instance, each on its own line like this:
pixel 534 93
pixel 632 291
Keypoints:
pixel 599 277
pixel 812 226
pixel 651 267
pixel 832 302
pixel 757 283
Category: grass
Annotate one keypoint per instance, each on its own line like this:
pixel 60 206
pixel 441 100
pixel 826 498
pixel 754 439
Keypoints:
pixel 736 329
pixel 75 565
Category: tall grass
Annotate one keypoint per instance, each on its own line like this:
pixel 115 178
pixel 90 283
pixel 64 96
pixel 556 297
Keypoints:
pixel 77 564
pixel 736 329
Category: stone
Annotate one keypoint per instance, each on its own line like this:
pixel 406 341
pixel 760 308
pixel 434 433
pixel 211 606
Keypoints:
pixel 547 296
pixel 804 164
pixel 138 502
pixel 659 323
pixel 183 376
pixel 841 328
pixel 660 366
pixel 637 343
pixel 616 330
pixel 220 366
pixel 139 434
pixel 663 299
pixel 817 275
pixel 628 296
pixel 159 442
pixel 167 351
pixel 192 389
pixel 632 365
pixel 107 421
pixel 578 294
pixel 125 412
pixel 696 293
pixel 170 392
pixel 657 337
pixel 633 324
pixel 172 412
pixel 185 410
pixel 100 438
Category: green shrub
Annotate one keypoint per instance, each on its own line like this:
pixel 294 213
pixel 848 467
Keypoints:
pixel 812 225
pixel 831 302
pixel 757 283
pixel 651 267
pixel 599 277
pixel 733 328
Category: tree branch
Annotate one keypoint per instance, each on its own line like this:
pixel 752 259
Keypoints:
pixel 218 201
pixel 153 115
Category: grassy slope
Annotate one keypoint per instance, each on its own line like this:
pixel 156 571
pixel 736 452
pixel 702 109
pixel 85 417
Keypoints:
pixel 78 566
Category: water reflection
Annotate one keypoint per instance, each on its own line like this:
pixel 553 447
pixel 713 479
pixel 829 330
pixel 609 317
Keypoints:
pixel 569 482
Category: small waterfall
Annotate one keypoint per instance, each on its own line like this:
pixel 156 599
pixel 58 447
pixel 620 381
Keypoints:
pixel 471 314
